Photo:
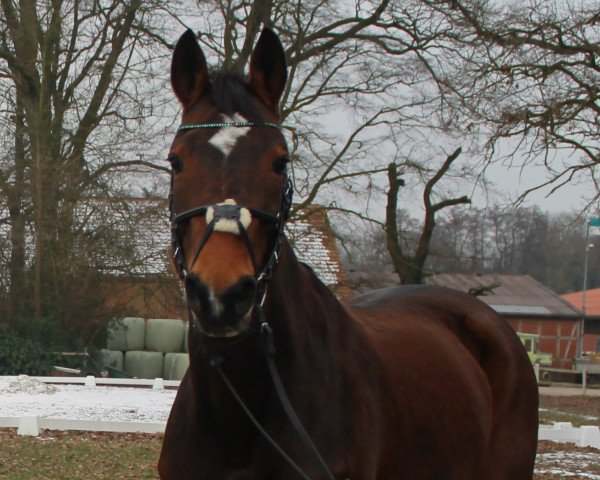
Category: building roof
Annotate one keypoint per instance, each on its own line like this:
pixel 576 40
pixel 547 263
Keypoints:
pixel 312 238
pixel 592 301
pixel 140 238
pixel 511 295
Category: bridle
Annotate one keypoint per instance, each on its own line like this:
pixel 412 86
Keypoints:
pixel 232 212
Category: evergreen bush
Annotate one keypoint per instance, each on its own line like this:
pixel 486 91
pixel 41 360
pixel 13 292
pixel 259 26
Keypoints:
pixel 22 356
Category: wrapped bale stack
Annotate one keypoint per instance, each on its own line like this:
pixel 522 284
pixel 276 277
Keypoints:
pixel 147 349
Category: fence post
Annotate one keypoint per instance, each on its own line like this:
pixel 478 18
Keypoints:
pixel 158 384
pixel 536 369
pixel 90 381
pixel 29 426
pixel 584 380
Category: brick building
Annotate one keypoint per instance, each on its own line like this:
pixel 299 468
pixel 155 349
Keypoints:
pixel 591 331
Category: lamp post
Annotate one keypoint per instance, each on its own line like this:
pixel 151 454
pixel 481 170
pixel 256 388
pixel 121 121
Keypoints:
pixel 585 274
pixel 593 231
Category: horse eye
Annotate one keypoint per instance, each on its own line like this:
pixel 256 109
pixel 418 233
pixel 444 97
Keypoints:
pixel 280 164
pixel 176 163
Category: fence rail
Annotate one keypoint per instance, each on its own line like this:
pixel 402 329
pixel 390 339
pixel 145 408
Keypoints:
pixel 33 425
pixel 586 436
pixel 549 375
pixel 91 381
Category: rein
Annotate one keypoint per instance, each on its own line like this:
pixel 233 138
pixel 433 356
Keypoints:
pixel 233 213
pixel 266 335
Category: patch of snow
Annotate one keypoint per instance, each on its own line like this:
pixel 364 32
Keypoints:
pixel 309 245
pixel 568 464
pixel 20 398
pixel 24 385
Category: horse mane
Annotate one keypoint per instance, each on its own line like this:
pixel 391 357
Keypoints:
pixel 230 93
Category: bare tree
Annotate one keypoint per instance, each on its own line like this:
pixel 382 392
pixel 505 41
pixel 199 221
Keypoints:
pixel 410 266
pixel 527 74
pixel 514 240
pixel 357 84
pixel 82 75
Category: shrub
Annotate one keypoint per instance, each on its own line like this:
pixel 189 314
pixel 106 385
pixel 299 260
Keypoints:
pixel 49 333
pixel 22 356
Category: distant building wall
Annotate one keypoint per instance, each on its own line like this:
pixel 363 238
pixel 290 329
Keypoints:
pixel 557 336
pixel 591 337
pixel 148 297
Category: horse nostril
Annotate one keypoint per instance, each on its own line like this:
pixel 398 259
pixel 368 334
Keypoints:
pixel 240 297
pixel 195 292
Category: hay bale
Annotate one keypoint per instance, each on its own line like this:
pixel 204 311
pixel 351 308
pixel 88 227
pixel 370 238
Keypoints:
pixel 143 364
pixel 126 334
pixel 175 365
pixel 165 335
pixel 110 358
pixel 180 366
pixel 186 325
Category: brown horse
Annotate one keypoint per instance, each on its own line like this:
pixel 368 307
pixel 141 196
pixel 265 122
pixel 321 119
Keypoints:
pixel 403 383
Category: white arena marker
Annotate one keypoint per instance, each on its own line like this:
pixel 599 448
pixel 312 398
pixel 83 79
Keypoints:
pixel 226 138
pixel 158 384
pixel 90 381
pixel 590 436
pixel 29 426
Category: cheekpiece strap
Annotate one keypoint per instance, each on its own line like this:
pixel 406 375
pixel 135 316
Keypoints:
pixel 228 124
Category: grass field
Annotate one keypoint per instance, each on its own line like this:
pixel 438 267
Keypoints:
pixel 79 456
pixel 577 410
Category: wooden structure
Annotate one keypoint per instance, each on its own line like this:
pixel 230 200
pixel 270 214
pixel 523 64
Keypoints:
pixel 591 331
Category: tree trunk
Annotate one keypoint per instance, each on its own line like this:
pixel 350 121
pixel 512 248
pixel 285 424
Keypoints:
pixel 407 271
pixel 410 268
pixel 16 199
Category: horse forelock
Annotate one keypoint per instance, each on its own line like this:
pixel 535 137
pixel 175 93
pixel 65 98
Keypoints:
pixel 230 94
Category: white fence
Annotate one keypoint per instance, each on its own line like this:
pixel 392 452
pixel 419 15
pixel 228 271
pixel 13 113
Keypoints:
pixel 34 425
pixel 547 374
pixel 587 436
pixel 91 381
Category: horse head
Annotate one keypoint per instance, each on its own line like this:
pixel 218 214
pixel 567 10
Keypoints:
pixel 229 189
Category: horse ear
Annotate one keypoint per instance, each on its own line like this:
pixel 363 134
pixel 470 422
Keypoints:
pixel 268 70
pixel 189 72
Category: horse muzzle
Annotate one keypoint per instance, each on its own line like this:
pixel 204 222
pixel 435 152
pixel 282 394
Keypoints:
pixel 224 315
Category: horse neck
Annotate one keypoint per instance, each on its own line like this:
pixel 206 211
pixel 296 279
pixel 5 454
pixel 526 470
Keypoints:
pixel 300 309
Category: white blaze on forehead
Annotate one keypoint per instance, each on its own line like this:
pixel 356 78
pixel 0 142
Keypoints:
pixel 226 138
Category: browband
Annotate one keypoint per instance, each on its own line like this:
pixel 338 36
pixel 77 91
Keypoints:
pixel 228 124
